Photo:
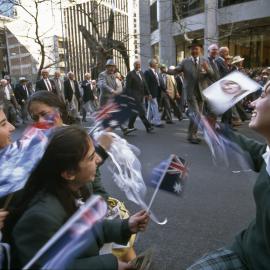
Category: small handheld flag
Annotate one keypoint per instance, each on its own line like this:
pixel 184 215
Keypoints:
pixel 18 159
pixel 116 112
pixel 170 175
pixel 72 238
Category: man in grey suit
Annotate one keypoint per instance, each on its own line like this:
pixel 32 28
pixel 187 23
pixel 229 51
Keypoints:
pixel 197 74
pixel 59 85
pixel 107 83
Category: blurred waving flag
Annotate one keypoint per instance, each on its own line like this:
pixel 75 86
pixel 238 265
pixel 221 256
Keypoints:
pixel 72 239
pixel 117 111
pixel 18 159
pixel 170 175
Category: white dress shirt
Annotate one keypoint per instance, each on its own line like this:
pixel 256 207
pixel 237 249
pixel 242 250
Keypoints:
pixel 266 157
pixel 7 93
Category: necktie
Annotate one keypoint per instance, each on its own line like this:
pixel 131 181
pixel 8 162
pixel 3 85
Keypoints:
pixel 195 62
pixel 138 73
pixel 48 85
pixel 25 89
pixel 59 84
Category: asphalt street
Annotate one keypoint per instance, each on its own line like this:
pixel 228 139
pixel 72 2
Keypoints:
pixel 217 202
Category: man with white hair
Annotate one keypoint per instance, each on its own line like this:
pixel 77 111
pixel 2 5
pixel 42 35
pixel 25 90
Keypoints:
pixel 224 70
pixel 212 57
pixel 72 95
pixel 59 85
pixel 107 82
pixel 45 83
pixel 8 99
pixel 137 88
pixel 88 96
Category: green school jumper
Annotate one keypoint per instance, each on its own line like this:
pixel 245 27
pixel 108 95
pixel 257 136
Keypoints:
pixel 253 243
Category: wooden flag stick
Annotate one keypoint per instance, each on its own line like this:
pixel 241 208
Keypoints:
pixel 159 183
pixel 8 200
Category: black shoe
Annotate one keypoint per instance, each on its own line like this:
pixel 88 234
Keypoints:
pixel 149 130
pixel 126 131
pixel 84 120
pixel 169 122
pixel 194 140
pixel 159 126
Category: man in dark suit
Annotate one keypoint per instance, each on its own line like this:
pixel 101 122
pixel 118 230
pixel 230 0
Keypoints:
pixel 152 80
pixel 87 96
pixel 137 88
pixel 72 95
pixel 197 73
pixel 212 58
pixel 45 83
pixel 22 93
pixel 59 85
pixel 180 89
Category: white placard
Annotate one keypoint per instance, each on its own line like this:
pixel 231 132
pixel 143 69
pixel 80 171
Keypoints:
pixel 229 90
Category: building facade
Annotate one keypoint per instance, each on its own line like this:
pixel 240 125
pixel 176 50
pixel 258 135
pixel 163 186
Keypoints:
pixel 99 30
pixel 23 52
pixel 242 25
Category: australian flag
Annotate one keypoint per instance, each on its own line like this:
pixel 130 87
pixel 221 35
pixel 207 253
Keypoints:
pixel 18 159
pixel 170 175
pixel 117 111
pixel 72 239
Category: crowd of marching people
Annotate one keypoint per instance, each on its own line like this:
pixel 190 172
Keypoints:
pixel 68 173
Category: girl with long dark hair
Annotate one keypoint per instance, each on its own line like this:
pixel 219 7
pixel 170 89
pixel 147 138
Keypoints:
pixel 54 192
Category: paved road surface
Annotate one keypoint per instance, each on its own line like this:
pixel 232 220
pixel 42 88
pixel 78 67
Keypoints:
pixel 217 203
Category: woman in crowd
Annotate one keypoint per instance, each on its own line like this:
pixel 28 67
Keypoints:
pixel 44 105
pixel 251 248
pixel 6 130
pixel 51 196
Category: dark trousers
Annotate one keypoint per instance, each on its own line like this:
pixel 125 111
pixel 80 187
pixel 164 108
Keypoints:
pixel 176 110
pixel 195 107
pixel 166 115
pixel 141 114
pixel 227 117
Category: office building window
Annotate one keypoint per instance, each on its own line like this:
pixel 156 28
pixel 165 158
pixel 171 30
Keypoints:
pixel 153 17
pixel 184 8
pixel 225 3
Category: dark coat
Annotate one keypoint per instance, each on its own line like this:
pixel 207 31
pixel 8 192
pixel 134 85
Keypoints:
pixel 45 216
pixel 69 92
pixel 222 67
pixel 136 87
pixel 40 85
pixel 87 91
pixel 20 94
pixel 179 85
pixel 215 68
pixel 152 83
pixel 194 79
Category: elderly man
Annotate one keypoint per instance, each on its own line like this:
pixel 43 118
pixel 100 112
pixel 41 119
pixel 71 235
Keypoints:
pixel 137 88
pixel 153 81
pixel 224 69
pixel 22 93
pixel 212 58
pixel 59 85
pixel 107 83
pixel 72 95
pixel 7 97
pixel 88 96
pixel 197 73
pixel 45 83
